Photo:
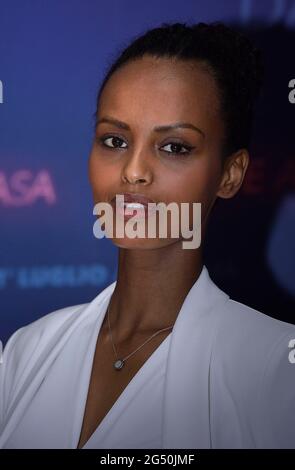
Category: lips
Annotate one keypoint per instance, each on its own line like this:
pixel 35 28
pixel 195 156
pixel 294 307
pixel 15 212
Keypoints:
pixel 133 202
pixel 135 198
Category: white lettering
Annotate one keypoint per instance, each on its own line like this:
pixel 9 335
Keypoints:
pixel 291 95
pixel 292 352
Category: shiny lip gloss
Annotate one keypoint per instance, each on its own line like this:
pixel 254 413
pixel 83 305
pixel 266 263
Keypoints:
pixel 133 209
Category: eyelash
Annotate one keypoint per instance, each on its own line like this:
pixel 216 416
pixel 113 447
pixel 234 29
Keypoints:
pixel 188 148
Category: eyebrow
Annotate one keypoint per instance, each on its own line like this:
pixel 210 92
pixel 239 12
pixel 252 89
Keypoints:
pixel 176 125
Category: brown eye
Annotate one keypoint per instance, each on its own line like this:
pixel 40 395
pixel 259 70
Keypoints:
pixel 112 142
pixel 175 148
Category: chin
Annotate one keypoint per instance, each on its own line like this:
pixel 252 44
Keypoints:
pixel 142 243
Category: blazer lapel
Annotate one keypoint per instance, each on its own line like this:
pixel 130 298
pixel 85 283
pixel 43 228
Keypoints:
pixel 186 411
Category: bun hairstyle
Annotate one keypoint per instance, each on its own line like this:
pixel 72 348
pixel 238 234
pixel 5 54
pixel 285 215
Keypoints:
pixel 231 58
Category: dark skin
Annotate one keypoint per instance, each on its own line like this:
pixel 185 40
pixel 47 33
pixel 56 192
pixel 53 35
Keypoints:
pixel 154 275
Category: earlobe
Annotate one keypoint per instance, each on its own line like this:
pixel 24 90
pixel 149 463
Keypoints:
pixel 233 174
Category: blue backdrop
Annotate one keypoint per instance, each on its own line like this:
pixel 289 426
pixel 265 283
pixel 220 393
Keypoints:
pixel 53 55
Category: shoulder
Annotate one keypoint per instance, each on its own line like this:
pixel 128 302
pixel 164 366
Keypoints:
pixel 54 323
pixel 30 347
pixel 254 359
pixel 243 323
pixel 246 339
pixel 27 342
pixel 26 345
pixel 238 323
pixel 27 336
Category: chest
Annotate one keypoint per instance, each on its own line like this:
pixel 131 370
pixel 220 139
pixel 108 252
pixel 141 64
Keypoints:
pixel 107 384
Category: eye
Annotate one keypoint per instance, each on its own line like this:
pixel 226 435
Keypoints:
pixel 113 141
pixel 176 147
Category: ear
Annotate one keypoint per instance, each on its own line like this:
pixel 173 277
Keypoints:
pixel 235 168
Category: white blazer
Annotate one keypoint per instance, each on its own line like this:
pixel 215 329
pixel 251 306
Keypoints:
pixel 229 382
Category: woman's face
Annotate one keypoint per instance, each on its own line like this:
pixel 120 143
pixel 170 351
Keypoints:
pixel 131 156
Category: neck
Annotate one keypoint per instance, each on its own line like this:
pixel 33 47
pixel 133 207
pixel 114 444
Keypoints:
pixel 151 288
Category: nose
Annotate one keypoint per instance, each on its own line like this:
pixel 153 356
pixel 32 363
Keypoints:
pixel 137 170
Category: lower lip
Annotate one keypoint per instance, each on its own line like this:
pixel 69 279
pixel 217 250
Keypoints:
pixel 141 213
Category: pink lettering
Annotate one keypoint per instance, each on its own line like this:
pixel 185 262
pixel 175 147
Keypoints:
pixel 23 188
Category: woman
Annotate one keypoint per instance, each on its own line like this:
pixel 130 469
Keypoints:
pixel 162 358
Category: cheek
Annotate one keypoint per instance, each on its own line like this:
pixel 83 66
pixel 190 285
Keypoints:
pixel 101 177
pixel 195 183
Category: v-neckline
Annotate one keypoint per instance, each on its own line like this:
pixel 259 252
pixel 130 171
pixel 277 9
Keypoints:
pixel 83 388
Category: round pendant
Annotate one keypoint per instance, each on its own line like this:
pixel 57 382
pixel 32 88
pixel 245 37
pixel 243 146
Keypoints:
pixel 118 364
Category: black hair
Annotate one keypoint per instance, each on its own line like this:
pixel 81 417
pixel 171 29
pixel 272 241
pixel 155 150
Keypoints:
pixel 232 59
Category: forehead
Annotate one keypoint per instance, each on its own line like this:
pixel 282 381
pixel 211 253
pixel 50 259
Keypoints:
pixel 159 90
